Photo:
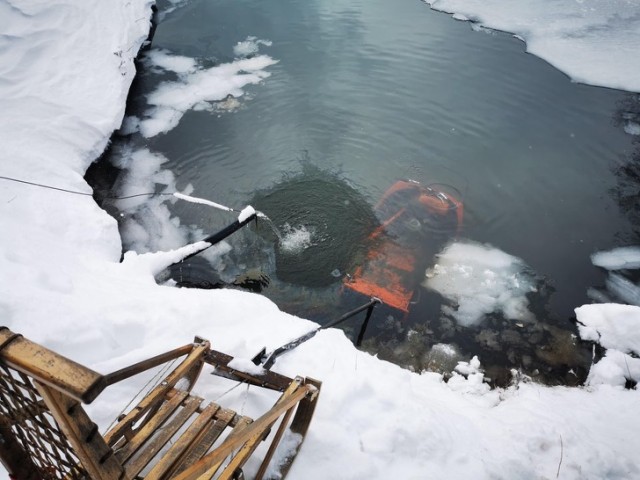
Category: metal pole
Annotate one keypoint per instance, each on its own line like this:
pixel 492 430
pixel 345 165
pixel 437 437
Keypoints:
pixel 270 359
pixel 222 234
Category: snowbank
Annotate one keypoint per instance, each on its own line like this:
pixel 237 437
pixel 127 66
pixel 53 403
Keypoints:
pixel 592 41
pixel 66 66
pixel 617 328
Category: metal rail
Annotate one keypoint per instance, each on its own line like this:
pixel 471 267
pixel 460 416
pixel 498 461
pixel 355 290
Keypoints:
pixel 268 359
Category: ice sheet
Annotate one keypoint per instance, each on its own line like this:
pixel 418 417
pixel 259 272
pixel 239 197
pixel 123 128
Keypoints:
pixel 618 258
pixel 592 41
pixel 479 280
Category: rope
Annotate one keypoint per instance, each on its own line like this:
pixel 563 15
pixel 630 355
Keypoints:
pixel 228 391
pixel 179 195
pixel 76 192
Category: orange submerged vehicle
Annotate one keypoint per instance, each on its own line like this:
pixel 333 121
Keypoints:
pixel 415 220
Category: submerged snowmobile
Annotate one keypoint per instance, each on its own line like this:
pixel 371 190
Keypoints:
pixel 415 221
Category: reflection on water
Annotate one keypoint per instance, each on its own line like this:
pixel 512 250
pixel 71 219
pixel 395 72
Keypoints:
pixel 375 92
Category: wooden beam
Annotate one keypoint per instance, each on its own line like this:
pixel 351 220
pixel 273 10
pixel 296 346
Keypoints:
pixel 94 454
pixel 291 397
pixel 136 368
pixel 50 368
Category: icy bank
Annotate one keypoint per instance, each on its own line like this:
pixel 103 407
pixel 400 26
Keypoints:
pixel 66 67
pixel 592 41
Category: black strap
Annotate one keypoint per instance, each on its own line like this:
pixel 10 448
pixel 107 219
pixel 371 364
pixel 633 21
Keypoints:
pixel 9 340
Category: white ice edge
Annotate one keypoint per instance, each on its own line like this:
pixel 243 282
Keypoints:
pixel 618 258
pixel 592 41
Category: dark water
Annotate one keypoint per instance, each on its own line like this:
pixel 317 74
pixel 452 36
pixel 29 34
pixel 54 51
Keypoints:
pixel 367 92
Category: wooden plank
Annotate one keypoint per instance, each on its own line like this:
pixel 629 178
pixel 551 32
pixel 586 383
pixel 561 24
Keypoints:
pixel 241 425
pixel 274 444
pixel 136 368
pixel 50 368
pixel 240 458
pixel 140 437
pixel 300 423
pixel 193 361
pixel 181 446
pixel 292 396
pixel 161 437
pixel 202 445
pixel 267 379
pixel 94 454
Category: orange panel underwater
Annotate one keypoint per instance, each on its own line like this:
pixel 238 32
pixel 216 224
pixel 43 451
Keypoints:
pixel 388 272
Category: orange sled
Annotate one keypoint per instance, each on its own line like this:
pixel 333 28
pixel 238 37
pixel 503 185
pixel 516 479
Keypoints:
pixel 394 265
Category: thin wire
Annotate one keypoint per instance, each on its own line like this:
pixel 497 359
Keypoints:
pixel 228 391
pixel 152 383
pixel 75 192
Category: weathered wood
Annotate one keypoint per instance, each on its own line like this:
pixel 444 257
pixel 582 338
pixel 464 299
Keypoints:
pixel 161 437
pixel 223 419
pixel 142 435
pixel 293 395
pixel 274 444
pixel 181 446
pixel 50 368
pixel 166 410
pixel 241 425
pixel 301 421
pixel 267 379
pixel 94 454
pixel 240 458
pixel 136 368
pixel 193 361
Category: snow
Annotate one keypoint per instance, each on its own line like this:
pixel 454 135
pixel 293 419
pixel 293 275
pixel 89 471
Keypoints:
pixel 246 212
pixel 592 41
pixel 66 67
pixel 198 87
pixel 479 280
pixel 246 365
pixel 615 327
pixel 202 201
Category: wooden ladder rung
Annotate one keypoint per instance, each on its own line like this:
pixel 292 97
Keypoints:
pixel 243 423
pixel 161 437
pixel 169 460
pixel 140 437
pixel 224 417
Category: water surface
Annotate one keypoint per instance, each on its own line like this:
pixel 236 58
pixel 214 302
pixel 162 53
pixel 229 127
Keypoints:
pixel 365 93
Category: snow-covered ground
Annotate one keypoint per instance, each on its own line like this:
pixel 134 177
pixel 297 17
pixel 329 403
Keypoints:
pixel 65 69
